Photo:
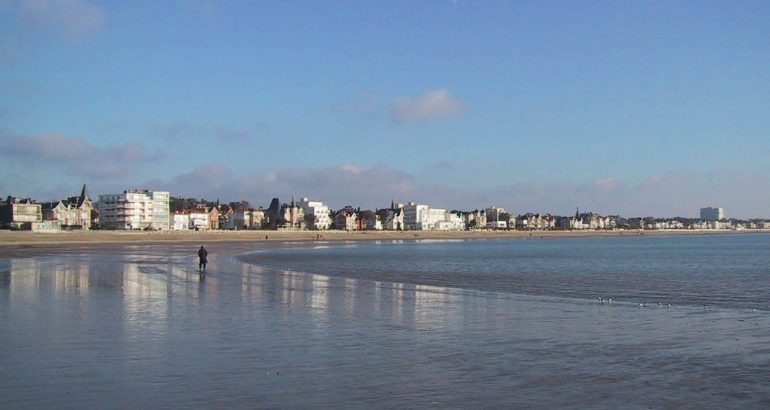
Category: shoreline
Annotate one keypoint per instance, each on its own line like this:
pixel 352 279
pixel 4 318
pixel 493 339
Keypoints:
pixel 25 244
pixel 13 238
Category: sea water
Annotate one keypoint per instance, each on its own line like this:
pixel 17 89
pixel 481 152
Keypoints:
pixel 469 324
pixel 715 270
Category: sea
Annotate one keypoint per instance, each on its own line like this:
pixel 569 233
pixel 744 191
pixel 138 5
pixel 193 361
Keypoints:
pixel 622 322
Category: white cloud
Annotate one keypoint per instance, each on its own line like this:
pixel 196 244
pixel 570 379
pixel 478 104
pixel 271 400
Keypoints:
pixel 72 154
pixel 72 19
pixel 431 104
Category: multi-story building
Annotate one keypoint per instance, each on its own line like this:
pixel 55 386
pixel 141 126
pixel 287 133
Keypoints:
pixel 414 216
pixel 712 214
pixel 495 214
pixel 392 219
pixel 245 218
pixel 291 216
pixel 72 213
pixel 20 214
pixel 346 220
pixel 425 218
pixel 135 209
pixel 161 210
pixel 317 214
pixel 475 219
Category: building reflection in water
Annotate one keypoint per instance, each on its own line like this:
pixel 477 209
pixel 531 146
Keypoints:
pixel 30 276
pixel 333 298
pixel 153 289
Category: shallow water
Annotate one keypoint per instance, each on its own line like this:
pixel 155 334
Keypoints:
pixel 137 327
pixel 717 270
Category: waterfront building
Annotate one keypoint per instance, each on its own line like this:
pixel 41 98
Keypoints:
pixel 245 218
pixel 180 221
pixel 19 213
pixel 316 214
pixel 497 224
pixel 291 216
pixel 370 221
pixel 712 214
pixel 495 214
pixel 424 218
pixel 135 209
pixel 346 220
pixel 454 221
pixel 475 219
pixel 213 218
pixel 413 215
pixel 392 219
pixel 72 213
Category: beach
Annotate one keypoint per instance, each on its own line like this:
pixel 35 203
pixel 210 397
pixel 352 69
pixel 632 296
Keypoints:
pixel 128 325
pixel 25 242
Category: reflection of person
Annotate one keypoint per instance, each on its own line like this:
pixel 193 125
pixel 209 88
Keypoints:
pixel 202 254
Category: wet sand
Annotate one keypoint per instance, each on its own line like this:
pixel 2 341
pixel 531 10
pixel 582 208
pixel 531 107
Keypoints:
pixel 126 326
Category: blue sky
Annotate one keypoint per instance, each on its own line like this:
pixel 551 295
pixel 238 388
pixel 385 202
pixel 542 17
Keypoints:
pixel 637 108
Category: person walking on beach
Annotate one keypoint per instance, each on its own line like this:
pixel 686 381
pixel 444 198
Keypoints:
pixel 202 254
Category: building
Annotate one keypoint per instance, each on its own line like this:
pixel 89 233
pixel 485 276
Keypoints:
pixel 424 218
pixel 369 221
pixel 20 213
pixel 135 209
pixel 413 216
pixel 475 219
pixel 180 221
pixel 72 213
pixel 712 214
pixel 392 219
pixel 244 218
pixel 316 214
pixel 495 214
pixel 346 220
pixel 213 214
pixel 454 221
pixel 291 216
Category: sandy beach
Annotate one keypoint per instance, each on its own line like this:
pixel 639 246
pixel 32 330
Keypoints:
pixel 17 243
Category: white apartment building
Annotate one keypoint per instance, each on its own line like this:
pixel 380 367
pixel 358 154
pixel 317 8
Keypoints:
pixel 135 209
pixel 180 221
pixel 424 218
pixel 161 210
pixel 712 214
pixel 197 220
pixel 456 221
pixel 320 212
pixel 414 216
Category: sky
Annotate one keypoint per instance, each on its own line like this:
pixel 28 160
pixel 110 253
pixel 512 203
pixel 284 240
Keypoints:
pixel 648 108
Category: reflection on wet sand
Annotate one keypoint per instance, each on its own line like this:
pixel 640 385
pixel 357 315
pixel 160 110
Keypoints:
pixel 141 328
